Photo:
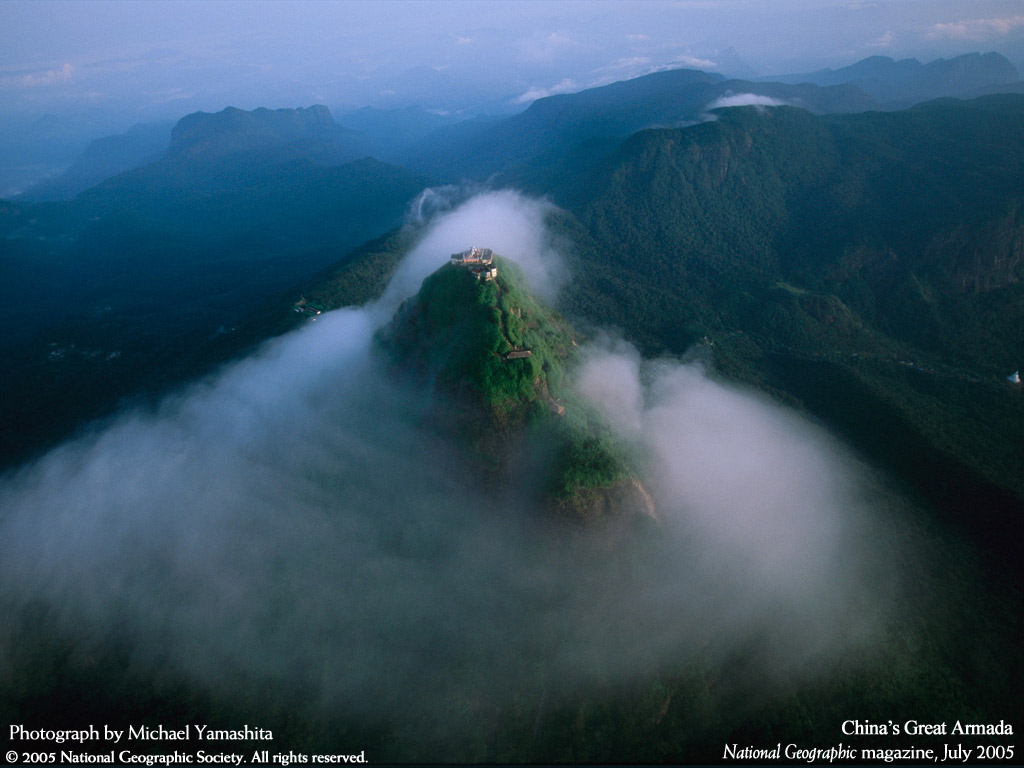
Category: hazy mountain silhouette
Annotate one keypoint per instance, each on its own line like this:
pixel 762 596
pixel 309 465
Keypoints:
pixel 908 81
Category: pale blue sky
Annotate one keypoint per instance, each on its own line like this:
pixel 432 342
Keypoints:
pixel 161 59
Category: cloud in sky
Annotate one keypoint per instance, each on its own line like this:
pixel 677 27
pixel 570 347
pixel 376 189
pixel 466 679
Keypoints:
pixel 695 62
pixel 40 78
pixel 499 56
pixel 745 100
pixel 567 85
pixel 976 29
pixel 882 41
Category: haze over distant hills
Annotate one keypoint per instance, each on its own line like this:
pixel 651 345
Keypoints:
pixel 443 143
pixel 907 81
pixel 562 127
pixel 103 158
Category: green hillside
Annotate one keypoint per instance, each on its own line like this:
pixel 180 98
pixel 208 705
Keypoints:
pixel 501 362
pixel 883 246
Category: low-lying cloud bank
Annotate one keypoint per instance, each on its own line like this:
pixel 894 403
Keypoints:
pixel 770 513
pixel 289 523
pixel 744 100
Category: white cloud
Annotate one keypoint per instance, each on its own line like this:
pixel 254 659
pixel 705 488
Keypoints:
pixel 883 41
pixel 695 62
pixel 745 100
pixel 567 85
pixel 639 38
pixel 631 62
pixel 544 49
pixel 975 29
pixel 557 39
pixel 507 222
pixel 41 78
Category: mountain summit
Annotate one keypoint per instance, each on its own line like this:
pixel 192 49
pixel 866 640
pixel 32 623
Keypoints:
pixel 498 363
pixel 305 132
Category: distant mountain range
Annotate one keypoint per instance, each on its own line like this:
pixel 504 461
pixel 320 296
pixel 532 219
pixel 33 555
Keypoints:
pixel 444 145
pixel 907 81
pixel 108 292
pixel 232 136
pixel 531 147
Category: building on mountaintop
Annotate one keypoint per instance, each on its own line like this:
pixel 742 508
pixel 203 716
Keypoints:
pixel 479 261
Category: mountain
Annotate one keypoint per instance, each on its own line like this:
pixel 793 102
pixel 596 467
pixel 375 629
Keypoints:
pixel 922 202
pixel 867 267
pixel 118 291
pixel 272 135
pixel 541 145
pixel 807 256
pixel 208 140
pixel 908 81
pixel 37 146
pixel 498 363
pixel 861 264
pixel 104 158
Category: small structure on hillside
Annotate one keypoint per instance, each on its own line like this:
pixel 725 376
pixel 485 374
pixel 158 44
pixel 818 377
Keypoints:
pixel 1014 378
pixel 479 261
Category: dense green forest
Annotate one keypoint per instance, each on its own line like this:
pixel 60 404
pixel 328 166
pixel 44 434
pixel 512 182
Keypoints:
pixel 507 362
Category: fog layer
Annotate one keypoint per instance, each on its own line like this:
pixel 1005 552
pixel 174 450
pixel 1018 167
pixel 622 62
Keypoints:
pixel 289 523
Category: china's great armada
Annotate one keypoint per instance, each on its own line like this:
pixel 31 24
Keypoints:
pixel 915 728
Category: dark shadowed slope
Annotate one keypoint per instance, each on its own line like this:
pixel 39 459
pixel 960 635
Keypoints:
pixel 114 292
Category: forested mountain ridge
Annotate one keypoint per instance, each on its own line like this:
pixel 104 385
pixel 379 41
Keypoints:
pixel 535 148
pixel 878 254
pixel 863 269
pixel 922 202
pixel 103 158
pixel 500 365
pixel 309 132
